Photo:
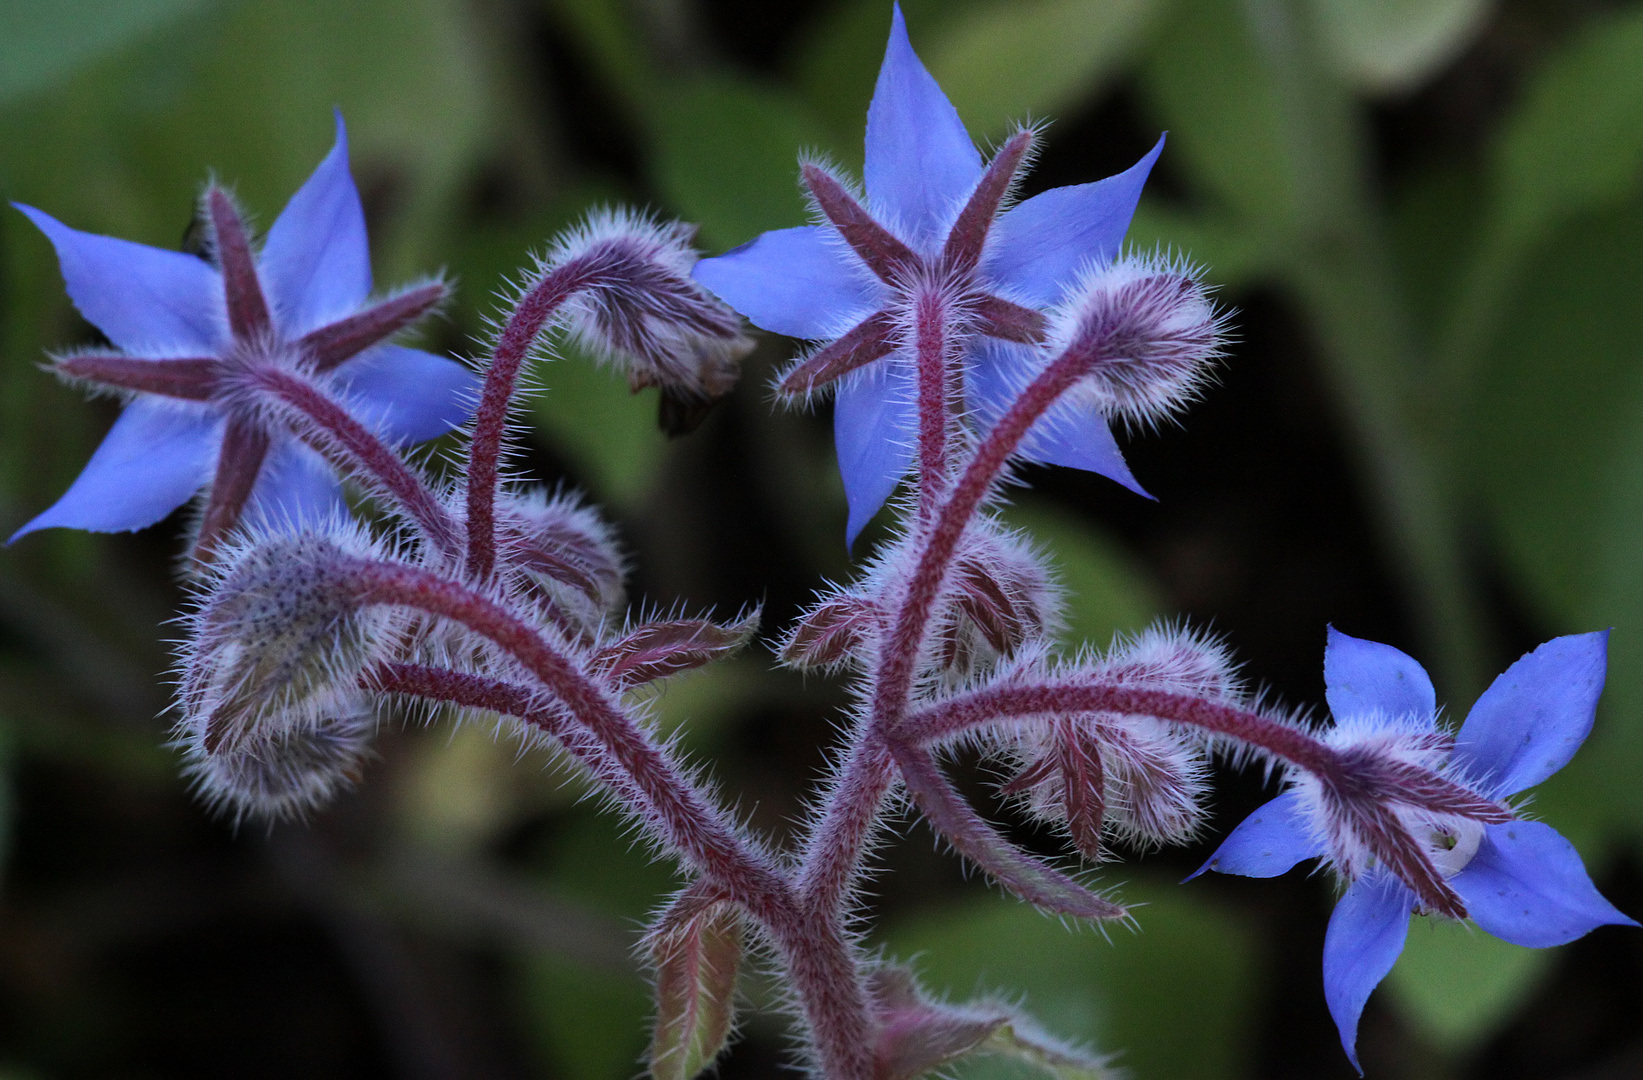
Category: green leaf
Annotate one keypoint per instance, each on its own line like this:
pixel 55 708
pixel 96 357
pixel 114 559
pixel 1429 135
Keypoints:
pixel 1459 984
pixel 1005 63
pixel 1175 997
pixel 697 964
pixel 1557 446
pixel 45 41
pixel 726 157
pixel 1207 84
pixel 1386 46
pixel 1107 591
pixel 1576 140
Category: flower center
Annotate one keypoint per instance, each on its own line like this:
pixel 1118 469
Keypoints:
pixel 1452 845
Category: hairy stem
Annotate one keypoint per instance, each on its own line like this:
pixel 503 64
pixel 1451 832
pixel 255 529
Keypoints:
pixel 334 432
pixel 824 969
pixel 934 417
pixel 513 347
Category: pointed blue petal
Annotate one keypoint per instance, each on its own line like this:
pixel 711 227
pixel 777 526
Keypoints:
pixel 407 395
pixel 1068 434
pixel 148 301
pixel 1267 843
pixel 875 420
pixel 794 282
pixel 1365 936
pixel 920 160
pixel 1528 886
pixel 154 458
pixel 316 263
pixel 1533 718
pixel 1038 248
pixel 296 488
pixel 1362 677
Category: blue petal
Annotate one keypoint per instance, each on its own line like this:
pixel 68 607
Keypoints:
pixel 920 161
pixel 1533 718
pixel 148 301
pixel 1068 434
pixel 1527 885
pixel 1038 248
pixel 875 421
pixel 1363 677
pixel 316 263
pixel 408 395
pixel 794 282
pixel 154 458
pixel 1267 843
pixel 295 488
pixel 1365 936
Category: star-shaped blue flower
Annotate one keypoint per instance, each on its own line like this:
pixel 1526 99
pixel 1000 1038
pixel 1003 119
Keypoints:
pixel 1521 880
pixel 179 322
pixel 933 211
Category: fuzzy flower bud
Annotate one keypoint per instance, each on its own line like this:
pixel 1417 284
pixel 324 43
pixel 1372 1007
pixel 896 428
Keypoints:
pixel 273 716
pixel 1135 778
pixel 1155 334
pixel 999 598
pixel 563 556
pixel 641 312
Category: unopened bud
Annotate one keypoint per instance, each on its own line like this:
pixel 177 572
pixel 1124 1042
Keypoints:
pixel 270 694
pixel 641 311
pixel 999 598
pixel 1151 330
pixel 564 556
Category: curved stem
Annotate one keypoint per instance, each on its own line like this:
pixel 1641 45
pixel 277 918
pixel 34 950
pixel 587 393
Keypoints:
pixel 818 954
pixel 335 433
pixel 513 346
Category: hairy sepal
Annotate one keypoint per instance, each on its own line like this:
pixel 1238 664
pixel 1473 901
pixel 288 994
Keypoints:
pixel 918 1036
pixel 656 650
pixel 832 634
pixel 696 951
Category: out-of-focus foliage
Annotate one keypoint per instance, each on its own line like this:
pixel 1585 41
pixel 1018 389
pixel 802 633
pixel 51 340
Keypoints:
pixel 1430 211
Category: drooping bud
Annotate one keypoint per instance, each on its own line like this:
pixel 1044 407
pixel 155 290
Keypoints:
pixel 641 311
pixel 1151 329
pixel 273 717
pixel 564 553
pixel 696 949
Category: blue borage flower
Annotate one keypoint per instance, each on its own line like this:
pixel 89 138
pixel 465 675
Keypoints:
pixel 932 214
pixel 1521 881
pixel 179 324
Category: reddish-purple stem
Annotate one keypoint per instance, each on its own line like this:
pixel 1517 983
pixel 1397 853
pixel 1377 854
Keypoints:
pixel 337 435
pixel 188 378
pixel 818 955
pixel 335 342
pixel 248 316
pixel 513 347
pixel 930 325
pixel 244 445
pixel 1362 782
pixel 979 842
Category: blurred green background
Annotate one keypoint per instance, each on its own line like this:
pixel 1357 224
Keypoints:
pixel 1429 217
